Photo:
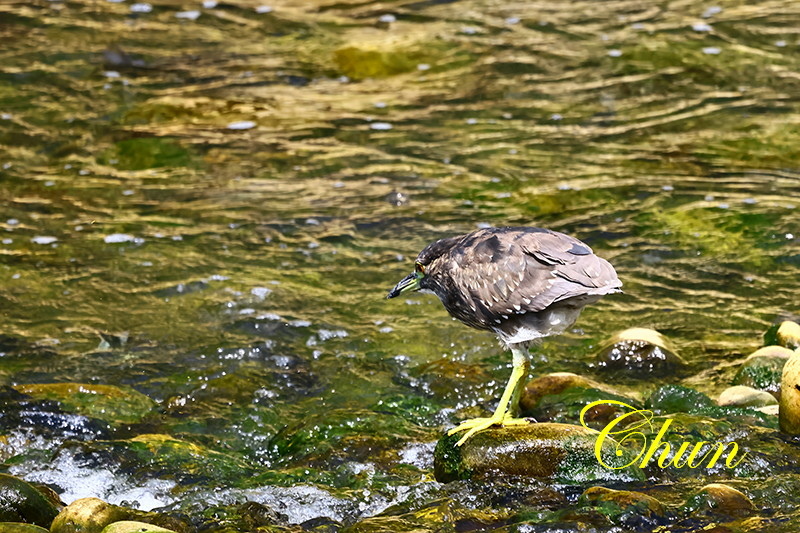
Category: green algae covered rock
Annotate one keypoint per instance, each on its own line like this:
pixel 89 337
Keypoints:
pixel 678 399
pixel 762 370
pixel 560 452
pixel 22 502
pixel 115 405
pixel 618 503
pixel 674 399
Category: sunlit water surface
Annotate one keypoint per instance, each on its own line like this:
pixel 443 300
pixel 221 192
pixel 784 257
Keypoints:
pixel 226 193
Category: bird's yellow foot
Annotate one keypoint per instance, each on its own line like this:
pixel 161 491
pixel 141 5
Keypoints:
pixel 474 425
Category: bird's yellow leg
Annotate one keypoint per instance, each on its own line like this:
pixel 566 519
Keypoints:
pixel 509 402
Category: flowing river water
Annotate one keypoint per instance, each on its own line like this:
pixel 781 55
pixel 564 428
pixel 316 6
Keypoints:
pixel 203 205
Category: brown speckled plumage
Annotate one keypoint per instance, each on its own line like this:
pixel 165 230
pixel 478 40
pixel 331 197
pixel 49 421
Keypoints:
pixel 519 282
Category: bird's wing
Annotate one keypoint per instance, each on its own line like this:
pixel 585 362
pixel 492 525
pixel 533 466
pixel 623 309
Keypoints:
pixel 527 270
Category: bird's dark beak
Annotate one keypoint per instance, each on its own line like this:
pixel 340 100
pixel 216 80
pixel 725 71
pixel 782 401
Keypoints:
pixel 407 284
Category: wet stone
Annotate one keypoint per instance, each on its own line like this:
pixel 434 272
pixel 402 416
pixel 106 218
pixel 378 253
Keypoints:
pixel 560 452
pixel 789 412
pixel 623 506
pixel 88 515
pixel 720 499
pixel 743 396
pixel 255 514
pixel 92 515
pixel 788 335
pixel 640 350
pixel 183 461
pixel 22 502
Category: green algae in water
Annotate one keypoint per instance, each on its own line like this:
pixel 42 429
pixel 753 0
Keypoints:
pixel 763 373
pixel 678 399
pixel 115 405
pixel 147 152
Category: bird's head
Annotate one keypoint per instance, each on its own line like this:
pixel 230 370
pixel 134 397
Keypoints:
pixel 428 269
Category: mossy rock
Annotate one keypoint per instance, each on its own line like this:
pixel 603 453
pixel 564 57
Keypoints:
pixel 17 527
pixel 22 502
pixel 617 503
pixel 678 399
pixel 115 405
pixel 762 372
pixel 344 431
pixel 181 457
pixel 639 350
pixel 560 452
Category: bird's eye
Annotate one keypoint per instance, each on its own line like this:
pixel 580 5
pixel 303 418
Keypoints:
pixel 419 268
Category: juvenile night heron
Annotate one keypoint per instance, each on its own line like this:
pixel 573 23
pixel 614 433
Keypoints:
pixel 521 283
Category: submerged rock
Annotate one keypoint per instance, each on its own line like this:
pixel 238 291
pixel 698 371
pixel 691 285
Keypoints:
pixel 358 62
pixel 743 396
pixel 183 461
pixel 641 350
pixel 115 405
pixel 618 503
pixel 788 335
pixel 20 412
pixel 762 370
pixel 560 452
pixel 719 499
pixel 22 502
pixel 789 413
